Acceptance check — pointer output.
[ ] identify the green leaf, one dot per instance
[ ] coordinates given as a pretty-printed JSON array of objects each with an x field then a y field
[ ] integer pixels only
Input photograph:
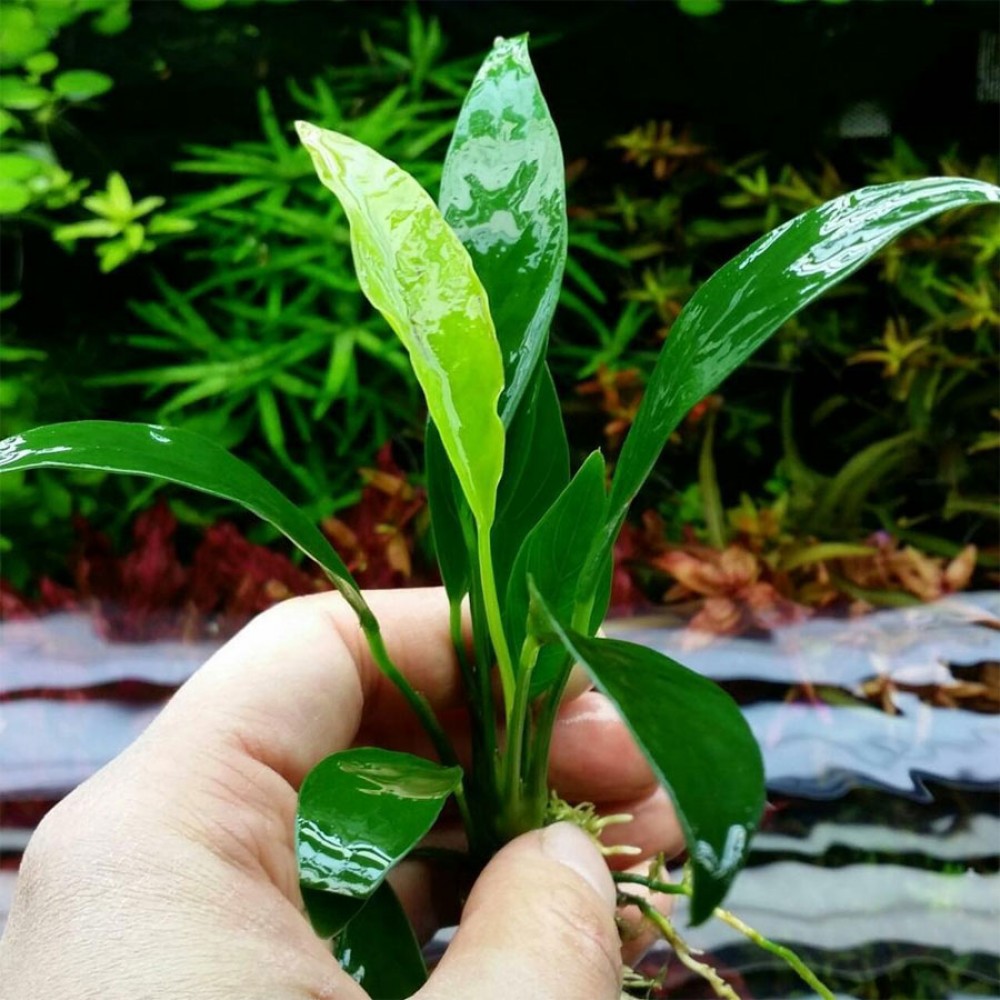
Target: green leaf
[
  {"x": 119, "y": 198},
  {"x": 81, "y": 84},
  {"x": 19, "y": 95},
  {"x": 146, "y": 205},
  {"x": 363, "y": 810},
  {"x": 19, "y": 167},
  {"x": 414, "y": 270},
  {"x": 446, "y": 502},
  {"x": 14, "y": 196},
  {"x": 698, "y": 743},
  {"x": 535, "y": 473},
  {"x": 379, "y": 950},
  {"x": 180, "y": 457},
  {"x": 503, "y": 191},
  {"x": 746, "y": 300},
  {"x": 112, "y": 18},
  {"x": 93, "y": 229},
  {"x": 41, "y": 63},
  {"x": 114, "y": 254},
  {"x": 553, "y": 556},
  {"x": 20, "y": 36},
  {"x": 844, "y": 494},
  {"x": 164, "y": 225},
  {"x": 700, "y": 8}
]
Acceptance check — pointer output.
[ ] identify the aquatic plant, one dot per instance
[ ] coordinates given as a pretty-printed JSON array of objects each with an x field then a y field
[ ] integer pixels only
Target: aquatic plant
[{"x": 469, "y": 286}]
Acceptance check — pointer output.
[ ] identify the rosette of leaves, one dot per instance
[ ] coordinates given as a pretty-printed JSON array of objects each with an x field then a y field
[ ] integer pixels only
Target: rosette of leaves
[
  {"x": 123, "y": 228},
  {"x": 469, "y": 287}
]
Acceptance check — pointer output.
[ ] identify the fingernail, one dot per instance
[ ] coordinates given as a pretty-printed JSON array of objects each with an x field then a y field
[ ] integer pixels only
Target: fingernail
[{"x": 571, "y": 847}]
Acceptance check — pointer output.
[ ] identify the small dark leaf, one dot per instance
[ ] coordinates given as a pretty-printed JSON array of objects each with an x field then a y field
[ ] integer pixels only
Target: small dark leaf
[
  {"x": 446, "y": 501},
  {"x": 379, "y": 950},
  {"x": 536, "y": 471},
  {"x": 361, "y": 811},
  {"x": 553, "y": 555},
  {"x": 696, "y": 740}
]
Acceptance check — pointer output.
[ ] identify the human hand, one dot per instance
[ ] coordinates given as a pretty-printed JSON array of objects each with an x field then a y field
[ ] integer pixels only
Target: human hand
[{"x": 172, "y": 872}]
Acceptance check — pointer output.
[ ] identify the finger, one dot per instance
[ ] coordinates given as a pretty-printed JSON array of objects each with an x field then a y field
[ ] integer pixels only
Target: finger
[
  {"x": 539, "y": 925},
  {"x": 654, "y": 828},
  {"x": 593, "y": 756},
  {"x": 296, "y": 683},
  {"x": 431, "y": 888}
]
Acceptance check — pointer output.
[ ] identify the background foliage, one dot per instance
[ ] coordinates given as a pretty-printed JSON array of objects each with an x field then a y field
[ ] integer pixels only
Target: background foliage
[{"x": 167, "y": 255}]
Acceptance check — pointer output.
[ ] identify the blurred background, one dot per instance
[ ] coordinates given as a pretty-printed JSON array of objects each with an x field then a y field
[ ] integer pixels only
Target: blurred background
[{"x": 166, "y": 254}]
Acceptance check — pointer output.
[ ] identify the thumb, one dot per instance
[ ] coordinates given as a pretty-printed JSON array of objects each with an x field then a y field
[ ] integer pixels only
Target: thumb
[{"x": 539, "y": 925}]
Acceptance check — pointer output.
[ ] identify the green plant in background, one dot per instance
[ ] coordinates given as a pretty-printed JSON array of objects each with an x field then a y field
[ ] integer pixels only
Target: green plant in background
[
  {"x": 897, "y": 375},
  {"x": 34, "y": 96},
  {"x": 121, "y": 225},
  {"x": 527, "y": 544},
  {"x": 276, "y": 343}
]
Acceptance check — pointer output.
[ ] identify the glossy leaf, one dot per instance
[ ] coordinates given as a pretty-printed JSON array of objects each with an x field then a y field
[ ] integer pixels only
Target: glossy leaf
[
  {"x": 503, "y": 190},
  {"x": 535, "y": 473},
  {"x": 82, "y": 84},
  {"x": 180, "y": 457},
  {"x": 745, "y": 301},
  {"x": 379, "y": 950},
  {"x": 415, "y": 271},
  {"x": 696, "y": 740},
  {"x": 553, "y": 556},
  {"x": 362, "y": 811},
  {"x": 445, "y": 500}
]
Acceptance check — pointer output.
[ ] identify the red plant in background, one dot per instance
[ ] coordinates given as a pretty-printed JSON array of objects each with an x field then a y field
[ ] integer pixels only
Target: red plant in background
[
  {"x": 759, "y": 581},
  {"x": 233, "y": 579},
  {"x": 375, "y": 538},
  {"x": 737, "y": 596},
  {"x": 132, "y": 597},
  {"x": 151, "y": 593},
  {"x": 620, "y": 394},
  {"x": 635, "y": 548}
]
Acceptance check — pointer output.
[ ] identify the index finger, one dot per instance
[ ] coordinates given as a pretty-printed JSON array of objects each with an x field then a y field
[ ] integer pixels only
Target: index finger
[{"x": 296, "y": 683}]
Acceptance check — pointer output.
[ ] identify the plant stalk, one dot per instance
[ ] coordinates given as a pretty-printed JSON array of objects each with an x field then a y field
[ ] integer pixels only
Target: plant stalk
[
  {"x": 514, "y": 752},
  {"x": 494, "y": 621},
  {"x": 416, "y": 701}
]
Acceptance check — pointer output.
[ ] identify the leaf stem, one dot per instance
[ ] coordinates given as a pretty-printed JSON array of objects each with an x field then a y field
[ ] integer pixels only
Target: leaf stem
[
  {"x": 416, "y": 701},
  {"x": 420, "y": 706},
  {"x": 494, "y": 621},
  {"x": 514, "y": 751},
  {"x": 544, "y": 725}
]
